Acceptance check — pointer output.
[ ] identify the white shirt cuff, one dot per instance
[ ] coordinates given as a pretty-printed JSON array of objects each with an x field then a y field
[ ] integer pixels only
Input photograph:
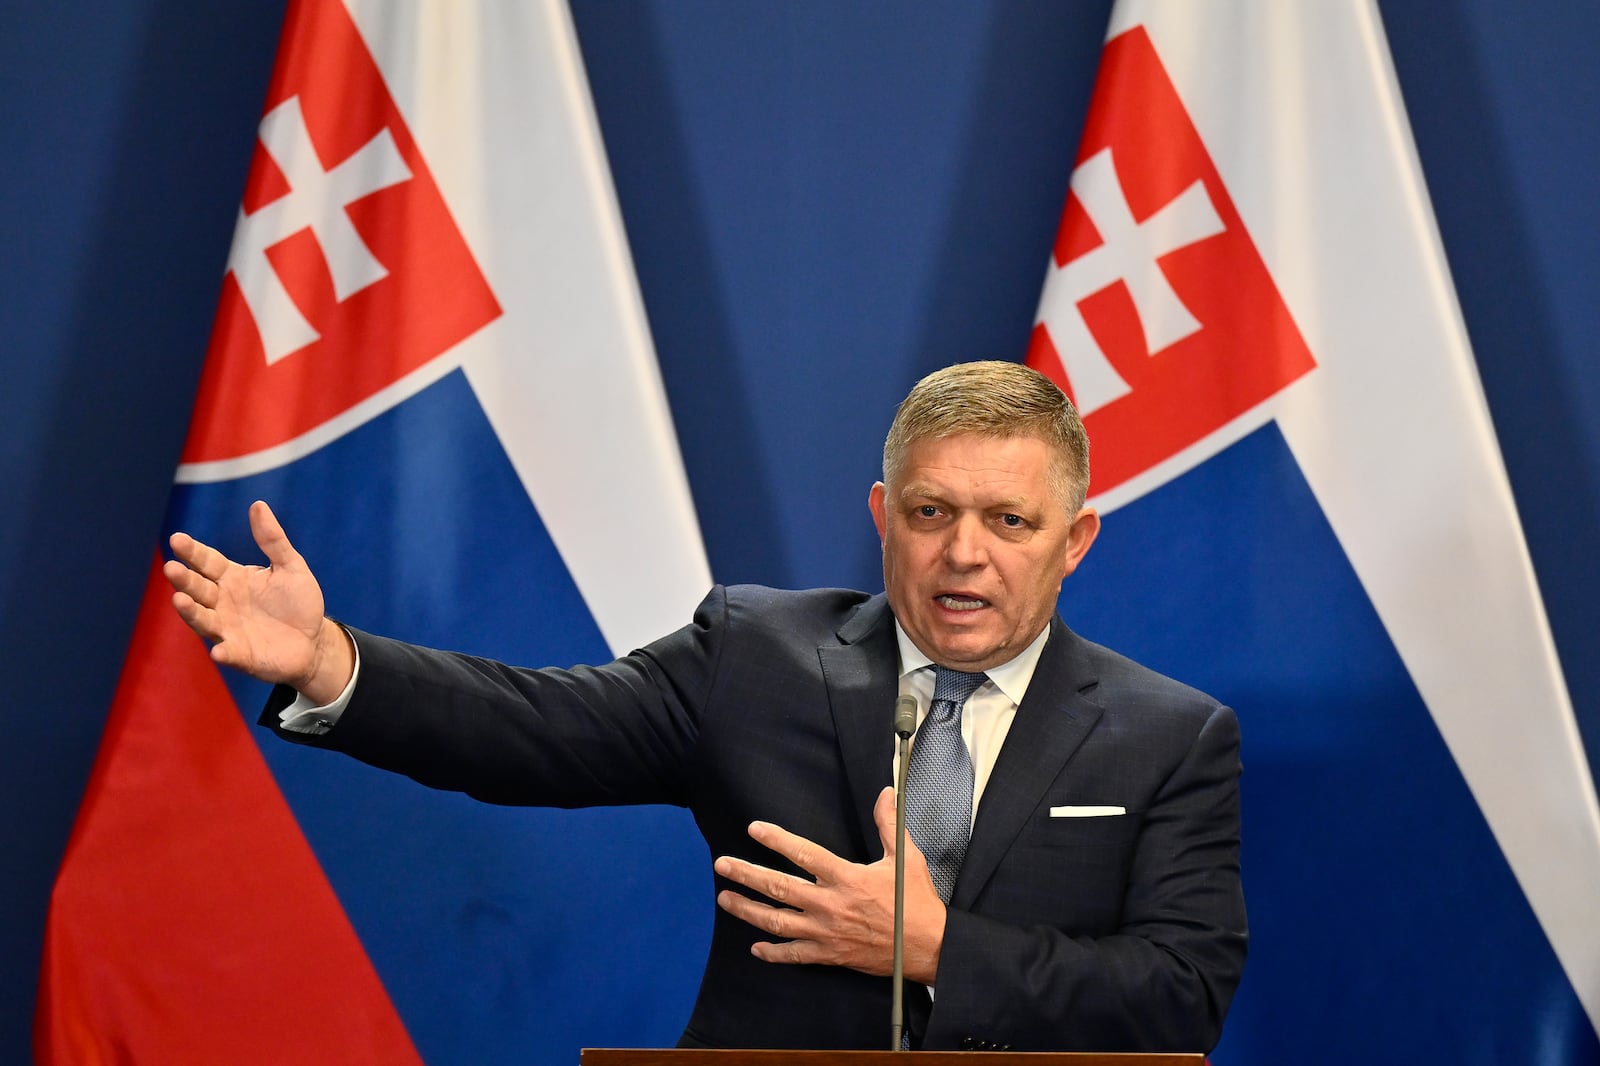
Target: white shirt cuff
[{"x": 302, "y": 716}]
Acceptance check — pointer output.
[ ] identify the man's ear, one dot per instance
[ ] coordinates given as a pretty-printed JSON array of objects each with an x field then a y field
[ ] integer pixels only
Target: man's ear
[
  {"x": 875, "y": 504},
  {"x": 1085, "y": 528}
]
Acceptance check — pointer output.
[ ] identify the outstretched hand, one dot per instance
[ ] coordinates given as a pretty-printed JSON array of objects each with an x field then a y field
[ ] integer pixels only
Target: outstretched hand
[
  {"x": 264, "y": 620},
  {"x": 845, "y": 916}
]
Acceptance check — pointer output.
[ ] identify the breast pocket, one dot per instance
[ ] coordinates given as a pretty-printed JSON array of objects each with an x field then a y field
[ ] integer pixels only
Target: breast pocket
[
  {"x": 1082, "y": 827},
  {"x": 1069, "y": 872}
]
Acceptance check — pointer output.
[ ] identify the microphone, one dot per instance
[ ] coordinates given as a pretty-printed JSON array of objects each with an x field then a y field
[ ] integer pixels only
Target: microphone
[
  {"x": 905, "y": 716},
  {"x": 905, "y": 723}
]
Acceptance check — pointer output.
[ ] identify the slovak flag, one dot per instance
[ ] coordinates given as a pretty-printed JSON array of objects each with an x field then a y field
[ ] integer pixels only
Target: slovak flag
[
  {"x": 1308, "y": 516},
  {"x": 431, "y": 356}
]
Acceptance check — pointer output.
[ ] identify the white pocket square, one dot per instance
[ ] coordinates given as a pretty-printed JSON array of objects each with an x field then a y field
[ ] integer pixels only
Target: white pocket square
[{"x": 1087, "y": 812}]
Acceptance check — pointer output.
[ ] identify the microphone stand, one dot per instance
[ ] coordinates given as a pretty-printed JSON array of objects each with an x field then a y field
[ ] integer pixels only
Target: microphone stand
[{"x": 905, "y": 723}]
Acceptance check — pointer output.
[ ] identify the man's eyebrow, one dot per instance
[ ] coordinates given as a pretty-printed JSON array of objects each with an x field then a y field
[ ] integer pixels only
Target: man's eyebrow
[{"x": 914, "y": 489}]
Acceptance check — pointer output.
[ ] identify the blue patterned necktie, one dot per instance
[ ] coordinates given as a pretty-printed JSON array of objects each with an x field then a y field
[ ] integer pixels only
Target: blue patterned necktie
[{"x": 939, "y": 781}]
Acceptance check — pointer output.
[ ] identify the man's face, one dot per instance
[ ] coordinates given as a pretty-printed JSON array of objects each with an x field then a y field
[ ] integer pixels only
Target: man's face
[{"x": 975, "y": 546}]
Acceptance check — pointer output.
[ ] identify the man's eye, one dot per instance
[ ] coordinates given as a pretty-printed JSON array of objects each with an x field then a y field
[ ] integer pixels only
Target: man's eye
[
  {"x": 928, "y": 510},
  {"x": 1014, "y": 521}
]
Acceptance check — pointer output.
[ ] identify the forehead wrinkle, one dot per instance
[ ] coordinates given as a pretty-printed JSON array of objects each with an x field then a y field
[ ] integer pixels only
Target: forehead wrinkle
[{"x": 1012, "y": 501}]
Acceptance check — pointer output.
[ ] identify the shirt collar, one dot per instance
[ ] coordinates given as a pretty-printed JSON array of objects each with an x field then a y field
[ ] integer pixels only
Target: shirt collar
[{"x": 1011, "y": 678}]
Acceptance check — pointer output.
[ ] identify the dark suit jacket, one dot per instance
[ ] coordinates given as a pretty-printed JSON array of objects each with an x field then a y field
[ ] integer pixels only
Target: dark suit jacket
[{"x": 1103, "y": 933}]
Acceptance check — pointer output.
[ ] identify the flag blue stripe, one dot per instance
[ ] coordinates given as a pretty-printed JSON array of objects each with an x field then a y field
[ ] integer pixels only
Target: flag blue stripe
[{"x": 501, "y": 934}]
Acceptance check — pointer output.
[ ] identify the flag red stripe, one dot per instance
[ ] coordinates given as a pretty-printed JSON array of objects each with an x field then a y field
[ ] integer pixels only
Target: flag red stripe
[{"x": 191, "y": 921}]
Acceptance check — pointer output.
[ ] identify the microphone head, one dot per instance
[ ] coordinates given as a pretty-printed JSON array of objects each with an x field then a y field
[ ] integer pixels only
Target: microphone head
[{"x": 905, "y": 716}]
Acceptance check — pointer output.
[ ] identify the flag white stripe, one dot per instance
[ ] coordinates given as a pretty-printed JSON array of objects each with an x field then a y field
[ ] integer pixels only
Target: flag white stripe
[
  {"x": 598, "y": 455},
  {"x": 352, "y": 418}
]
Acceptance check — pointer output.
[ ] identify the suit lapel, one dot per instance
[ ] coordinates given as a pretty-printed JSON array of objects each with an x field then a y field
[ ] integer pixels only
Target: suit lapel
[
  {"x": 1051, "y": 723},
  {"x": 861, "y": 675}
]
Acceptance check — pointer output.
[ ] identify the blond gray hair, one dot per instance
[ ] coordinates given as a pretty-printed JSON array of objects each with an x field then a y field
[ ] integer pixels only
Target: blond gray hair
[{"x": 994, "y": 399}]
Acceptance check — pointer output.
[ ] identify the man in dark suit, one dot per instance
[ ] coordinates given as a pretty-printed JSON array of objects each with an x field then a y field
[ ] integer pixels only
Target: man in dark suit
[{"x": 1079, "y": 812}]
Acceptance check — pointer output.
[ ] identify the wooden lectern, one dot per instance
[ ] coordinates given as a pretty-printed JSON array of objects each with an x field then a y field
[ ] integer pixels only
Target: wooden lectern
[{"x": 688, "y": 1057}]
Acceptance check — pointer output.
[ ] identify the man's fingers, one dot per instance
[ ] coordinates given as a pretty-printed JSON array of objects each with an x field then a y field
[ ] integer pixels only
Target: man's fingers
[
  {"x": 200, "y": 590},
  {"x": 840, "y": 919},
  {"x": 885, "y": 817},
  {"x": 782, "y": 887},
  {"x": 883, "y": 813},
  {"x": 792, "y": 952},
  {"x": 181, "y": 578},
  {"x": 195, "y": 616},
  {"x": 814, "y": 859},
  {"x": 790, "y": 926},
  {"x": 225, "y": 653},
  {"x": 201, "y": 558},
  {"x": 270, "y": 537},
  {"x": 769, "y": 919}
]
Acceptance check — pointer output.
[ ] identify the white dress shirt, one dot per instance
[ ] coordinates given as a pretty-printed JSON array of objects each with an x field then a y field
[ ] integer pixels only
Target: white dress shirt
[{"x": 989, "y": 711}]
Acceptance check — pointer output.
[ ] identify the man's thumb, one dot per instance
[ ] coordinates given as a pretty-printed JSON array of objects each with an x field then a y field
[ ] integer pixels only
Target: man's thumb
[{"x": 883, "y": 815}]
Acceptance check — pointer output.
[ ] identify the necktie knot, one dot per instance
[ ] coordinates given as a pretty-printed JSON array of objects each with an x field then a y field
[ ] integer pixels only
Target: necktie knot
[{"x": 955, "y": 685}]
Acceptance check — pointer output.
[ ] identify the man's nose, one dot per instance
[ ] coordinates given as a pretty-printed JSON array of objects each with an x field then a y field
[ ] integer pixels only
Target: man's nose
[{"x": 967, "y": 545}]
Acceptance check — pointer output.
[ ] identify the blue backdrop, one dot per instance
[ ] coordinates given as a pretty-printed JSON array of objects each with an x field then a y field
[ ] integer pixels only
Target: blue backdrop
[{"x": 823, "y": 202}]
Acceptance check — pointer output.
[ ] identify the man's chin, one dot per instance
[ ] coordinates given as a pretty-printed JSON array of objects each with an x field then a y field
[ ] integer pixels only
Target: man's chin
[{"x": 971, "y": 655}]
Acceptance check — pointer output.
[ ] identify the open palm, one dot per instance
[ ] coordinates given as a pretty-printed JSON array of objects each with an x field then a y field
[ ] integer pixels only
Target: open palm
[{"x": 264, "y": 620}]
